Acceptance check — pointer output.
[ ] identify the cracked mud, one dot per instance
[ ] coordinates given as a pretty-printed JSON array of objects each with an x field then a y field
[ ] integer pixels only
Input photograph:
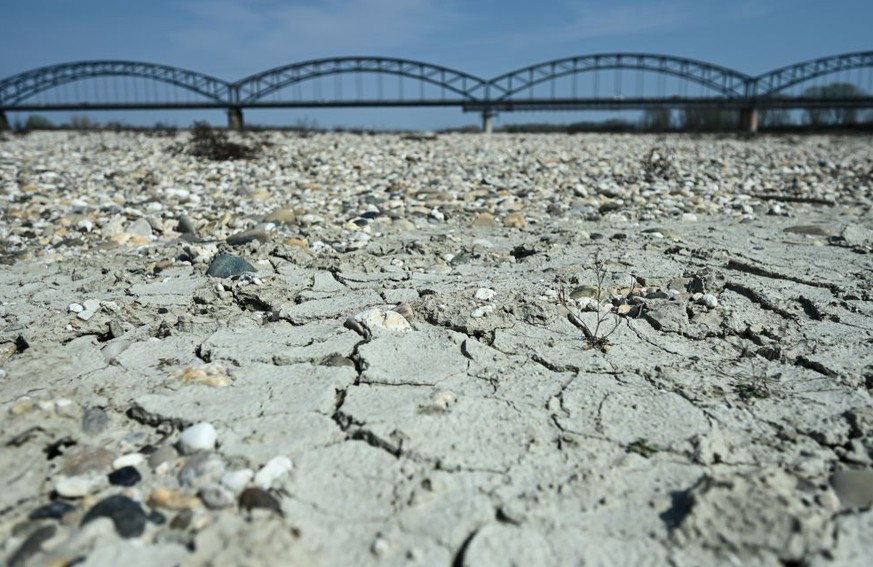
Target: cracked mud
[{"x": 451, "y": 426}]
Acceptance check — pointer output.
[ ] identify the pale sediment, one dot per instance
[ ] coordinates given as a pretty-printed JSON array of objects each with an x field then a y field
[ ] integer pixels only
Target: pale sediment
[{"x": 464, "y": 350}]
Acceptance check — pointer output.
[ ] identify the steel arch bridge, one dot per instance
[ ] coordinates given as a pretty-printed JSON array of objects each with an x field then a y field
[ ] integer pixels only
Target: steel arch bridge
[
  {"x": 256, "y": 87},
  {"x": 728, "y": 88},
  {"x": 727, "y": 82},
  {"x": 778, "y": 80},
  {"x": 19, "y": 87}
]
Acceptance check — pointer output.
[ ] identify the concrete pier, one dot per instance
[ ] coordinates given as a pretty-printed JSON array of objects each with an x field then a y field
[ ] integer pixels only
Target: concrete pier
[
  {"x": 487, "y": 115},
  {"x": 235, "y": 118},
  {"x": 4, "y": 123},
  {"x": 749, "y": 120}
]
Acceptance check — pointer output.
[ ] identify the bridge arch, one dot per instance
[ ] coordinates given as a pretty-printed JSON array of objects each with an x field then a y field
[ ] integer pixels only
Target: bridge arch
[
  {"x": 779, "y": 80},
  {"x": 255, "y": 87},
  {"x": 727, "y": 82},
  {"x": 19, "y": 87}
]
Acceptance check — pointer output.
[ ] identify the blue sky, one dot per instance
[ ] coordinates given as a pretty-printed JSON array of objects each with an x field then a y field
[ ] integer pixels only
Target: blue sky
[{"x": 235, "y": 38}]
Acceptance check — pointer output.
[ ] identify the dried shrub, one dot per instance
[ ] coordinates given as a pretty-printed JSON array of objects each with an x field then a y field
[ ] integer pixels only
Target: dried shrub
[
  {"x": 207, "y": 142},
  {"x": 596, "y": 336}
]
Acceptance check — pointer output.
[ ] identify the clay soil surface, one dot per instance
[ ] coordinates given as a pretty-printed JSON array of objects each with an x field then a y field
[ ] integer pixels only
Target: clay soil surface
[{"x": 591, "y": 350}]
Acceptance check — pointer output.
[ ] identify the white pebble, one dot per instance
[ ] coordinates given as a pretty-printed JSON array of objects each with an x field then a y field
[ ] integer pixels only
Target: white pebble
[
  {"x": 673, "y": 293},
  {"x": 442, "y": 399},
  {"x": 236, "y": 481},
  {"x": 484, "y": 294},
  {"x": 380, "y": 547},
  {"x": 199, "y": 437},
  {"x": 80, "y": 485},
  {"x": 276, "y": 468},
  {"x": 709, "y": 300},
  {"x": 129, "y": 460},
  {"x": 76, "y": 308}
]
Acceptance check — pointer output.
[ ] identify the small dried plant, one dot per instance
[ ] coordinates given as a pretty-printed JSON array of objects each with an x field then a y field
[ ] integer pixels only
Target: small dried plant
[{"x": 606, "y": 323}]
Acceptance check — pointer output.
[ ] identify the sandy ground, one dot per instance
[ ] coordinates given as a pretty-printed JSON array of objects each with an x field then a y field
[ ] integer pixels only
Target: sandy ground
[{"x": 450, "y": 417}]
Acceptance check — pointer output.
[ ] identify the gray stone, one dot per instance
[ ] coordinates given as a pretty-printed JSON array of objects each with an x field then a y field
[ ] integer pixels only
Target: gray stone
[
  {"x": 854, "y": 487},
  {"x": 94, "y": 421},
  {"x": 216, "y": 496},
  {"x": 202, "y": 469},
  {"x": 245, "y": 237},
  {"x": 857, "y": 235},
  {"x": 228, "y": 266}
]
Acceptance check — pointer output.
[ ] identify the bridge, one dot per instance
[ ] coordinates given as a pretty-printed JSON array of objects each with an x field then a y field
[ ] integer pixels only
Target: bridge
[{"x": 614, "y": 81}]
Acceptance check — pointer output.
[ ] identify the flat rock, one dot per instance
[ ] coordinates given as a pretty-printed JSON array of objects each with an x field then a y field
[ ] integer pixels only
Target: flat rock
[
  {"x": 854, "y": 487},
  {"x": 127, "y": 516},
  {"x": 228, "y": 266}
]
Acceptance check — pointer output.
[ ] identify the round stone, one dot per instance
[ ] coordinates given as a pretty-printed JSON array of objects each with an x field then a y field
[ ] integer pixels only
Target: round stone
[
  {"x": 128, "y": 460},
  {"x": 125, "y": 476},
  {"x": 215, "y": 496},
  {"x": 252, "y": 498},
  {"x": 199, "y": 437},
  {"x": 236, "y": 481}
]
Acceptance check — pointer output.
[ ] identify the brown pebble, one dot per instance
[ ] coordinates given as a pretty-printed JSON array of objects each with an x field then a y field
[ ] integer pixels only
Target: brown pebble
[
  {"x": 21, "y": 407},
  {"x": 251, "y": 498},
  {"x": 484, "y": 220},
  {"x": 285, "y": 216},
  {"x": 514, "y": 220},
  {"x": 172, "y": 499}
]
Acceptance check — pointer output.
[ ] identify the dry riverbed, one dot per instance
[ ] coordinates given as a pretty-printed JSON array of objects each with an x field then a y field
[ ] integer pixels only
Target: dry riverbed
[{"x": 436, "y": 350}]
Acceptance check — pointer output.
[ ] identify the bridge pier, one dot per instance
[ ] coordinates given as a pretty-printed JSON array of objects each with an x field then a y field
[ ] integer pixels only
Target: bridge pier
[
  {"x": 749, "y": 120},
  {"x": 4, "y": 123},
  {"x": 487, "y": 115},
  {"x": 234, "y": 118}
]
